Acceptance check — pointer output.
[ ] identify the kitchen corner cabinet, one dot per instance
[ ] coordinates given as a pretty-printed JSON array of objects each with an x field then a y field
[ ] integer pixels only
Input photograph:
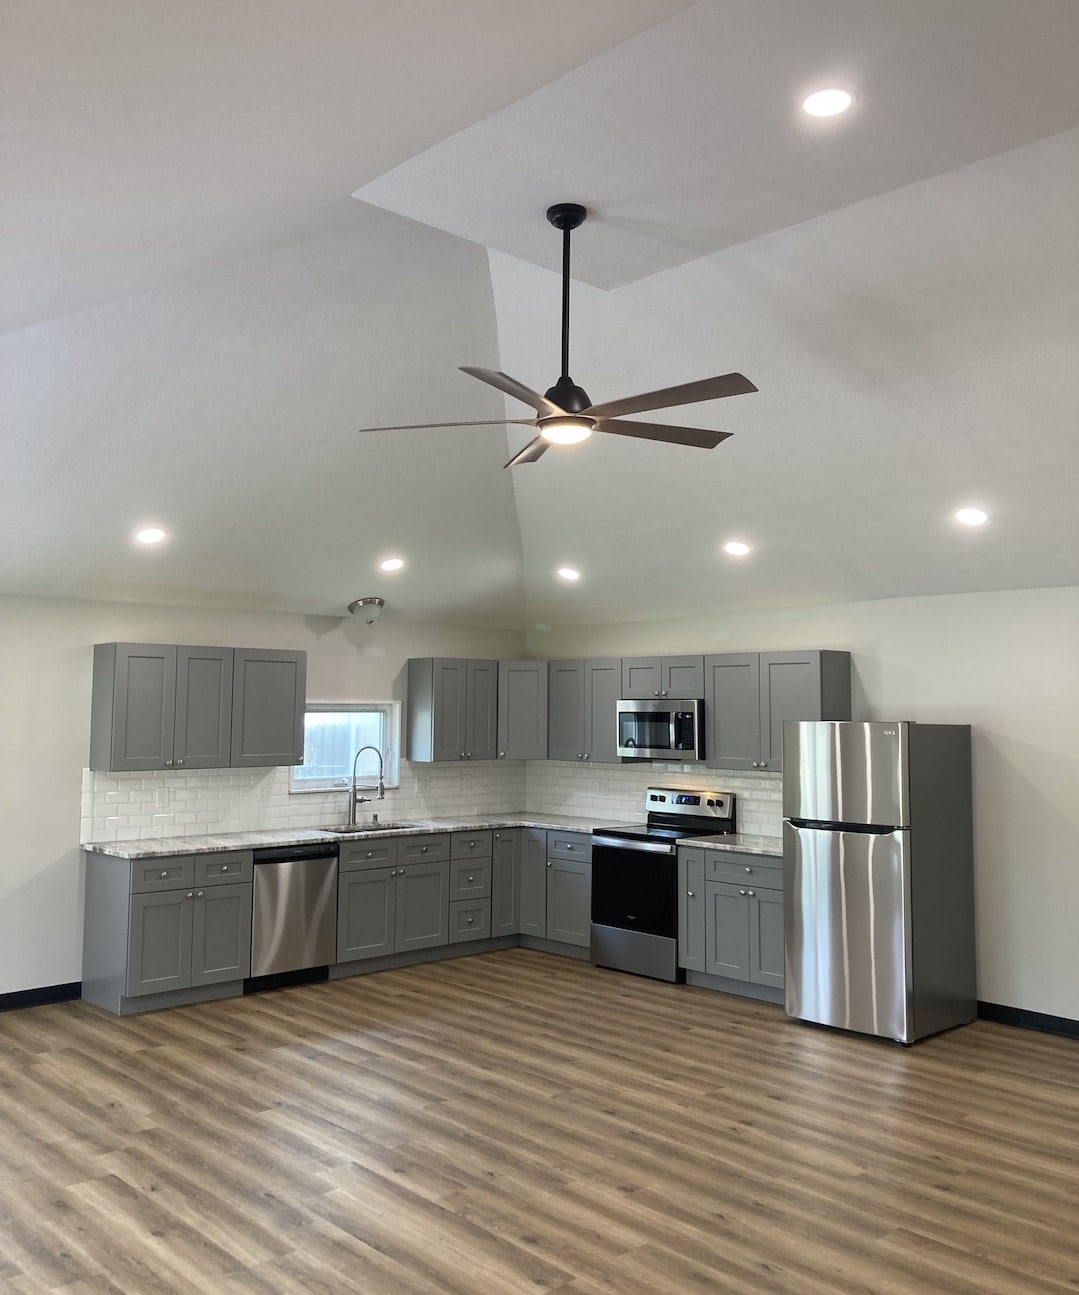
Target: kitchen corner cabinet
[
  {"x": 522, "y": 710},
  {"x": 164, "y": 926},
  {"x": 581, "y": 709},
  {"x": 750, "y": 695},
  {"x": 556, "y": 887},
  {"x": 667, "y": 676},
  {"x": 160, "y": 706},
  {"x": 451, "y": 709},
  {"x": 506, "y": 847}
]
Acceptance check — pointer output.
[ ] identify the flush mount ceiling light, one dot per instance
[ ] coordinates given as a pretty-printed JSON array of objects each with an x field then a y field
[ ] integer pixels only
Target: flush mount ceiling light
[
  {"x": 569, "y": 574},
  {"x": 367, "y": 609},
  {"x": 565, "y": 413},
  {"x": 391, "y": 564},
  {"x": 971, "y": 517},
  {"x": 827, "y": 103},
  {"x": 736, "y": 548},
  {"x": 150, "y": 535}
]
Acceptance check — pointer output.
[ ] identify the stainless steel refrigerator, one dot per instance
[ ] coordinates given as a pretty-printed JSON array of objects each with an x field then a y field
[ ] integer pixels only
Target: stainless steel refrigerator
[{"x": 878, "y": 877}]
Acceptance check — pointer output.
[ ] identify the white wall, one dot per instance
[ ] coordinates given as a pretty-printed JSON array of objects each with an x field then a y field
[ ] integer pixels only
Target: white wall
[
  {"x": 45, "y": 674},
  {"x": 1005, "y": 663}
]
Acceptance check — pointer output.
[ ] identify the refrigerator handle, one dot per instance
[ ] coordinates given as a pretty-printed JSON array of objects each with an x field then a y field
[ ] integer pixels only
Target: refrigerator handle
[{"x": 825, "y": 825}]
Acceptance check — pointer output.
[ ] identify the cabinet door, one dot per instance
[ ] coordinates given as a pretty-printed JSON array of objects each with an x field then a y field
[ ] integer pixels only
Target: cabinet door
[
  {"x": 143, "y": 706},
  {"x": 641, "y": 677},
  {"x": 726, "y": 932},
  {"x": 691, "y": 910},
  {"x": 799, "y": 686},
  {"x": 159, "y": 942},
  {"x": 766, "y": 938},
  {"x": 732, "y": 699},
  {"x": 366, "y": 911},
  {"x": 569, "y": 902},
  {"x": 565, "y": 710},
  {"x": 506, "y": 882},
  {"x": 481, "y": 715},
  {"x": 269, "y": 692},
  {"x": 448, "y": 692},
  {"x": 203, "y": 707},
  {"x": 221, "y": 934},
  {"x": 682, "y": 676},
  {"x": 534, "y": 882},
  {"x": 522, "y": 710},
  {"x": 602, "y": 686},
  {"x": 423, "y": 912}
]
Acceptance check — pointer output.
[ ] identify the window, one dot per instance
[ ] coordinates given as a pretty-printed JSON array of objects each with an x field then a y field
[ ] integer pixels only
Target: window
[{"x": 334, "y": 732}]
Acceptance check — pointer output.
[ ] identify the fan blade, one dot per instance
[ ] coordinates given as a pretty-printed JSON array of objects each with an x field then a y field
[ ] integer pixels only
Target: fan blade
[
  {"x": 729, "y": 384},
  {"x": 697, "y": 436},
  {"x": 419, "y": 427},
  {"x": 516, "y": 389},
  {"x": 530, "y": 453}
]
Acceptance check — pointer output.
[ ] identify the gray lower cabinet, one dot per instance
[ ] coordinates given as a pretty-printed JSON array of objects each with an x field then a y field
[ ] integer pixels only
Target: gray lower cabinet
[
  {"x": 730, "y": 916},
  {"x": 164, "y": 926},
  {"x": 750, "y": 695},
  {"x": 506, "y": 850},
  {"x": 534, "y": 883},
  {"x": 393, "y": 896},
  {"x": 161, "y": 706},
  {"x": 556, "y": 887},
  {"x": 581, "y": 700}
]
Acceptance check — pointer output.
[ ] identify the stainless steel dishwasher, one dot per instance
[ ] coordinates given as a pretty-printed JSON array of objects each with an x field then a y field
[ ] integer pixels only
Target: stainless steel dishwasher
[{"x": 294, "y": 919}]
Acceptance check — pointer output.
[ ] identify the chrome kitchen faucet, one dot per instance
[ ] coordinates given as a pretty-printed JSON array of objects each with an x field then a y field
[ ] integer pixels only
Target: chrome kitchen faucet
[{"x": 353, "y": 798}]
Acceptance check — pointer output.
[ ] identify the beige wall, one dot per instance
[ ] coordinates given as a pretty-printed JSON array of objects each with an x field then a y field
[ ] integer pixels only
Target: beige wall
[
  {"x": 45, "y": 664},
  {"x": 1008, "y": 664}
]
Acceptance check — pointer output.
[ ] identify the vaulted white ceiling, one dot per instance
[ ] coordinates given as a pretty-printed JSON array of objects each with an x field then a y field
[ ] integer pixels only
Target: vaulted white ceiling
[{"x": 198, "y": 315}]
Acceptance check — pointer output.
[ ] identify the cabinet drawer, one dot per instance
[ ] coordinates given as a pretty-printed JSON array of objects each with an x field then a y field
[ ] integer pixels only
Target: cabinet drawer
[
  {"x": 745, "y": 869},
  {"x": 470, "y": 845},
  {"x": 423, "y": 849},
  {"x": 381, "y": 853},
  {"x": 470, "y": 879},
  {"x": 569, "y": 845},
  {"x": 162, "y": 874},
  {"x": 470, "y": 920},
  {"x": 220, "y": 869}
]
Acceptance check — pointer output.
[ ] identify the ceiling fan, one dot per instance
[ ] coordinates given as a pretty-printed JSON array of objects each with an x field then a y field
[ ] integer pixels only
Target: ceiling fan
[{"x": 565, "y": 413}]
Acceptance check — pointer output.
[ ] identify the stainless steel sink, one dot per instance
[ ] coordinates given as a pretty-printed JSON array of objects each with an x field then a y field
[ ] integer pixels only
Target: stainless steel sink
[{"x": 358, "y": 829}]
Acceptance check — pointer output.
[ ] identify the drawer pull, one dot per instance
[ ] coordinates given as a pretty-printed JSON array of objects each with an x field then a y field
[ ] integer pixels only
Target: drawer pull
[
  {"x": 471, "y": 920},
  {"x": 748, "y": 868},
  {"x": 471, "y": 878},
  {"x": 423, "y": 849},
  {"x": 164, "y": 874}
]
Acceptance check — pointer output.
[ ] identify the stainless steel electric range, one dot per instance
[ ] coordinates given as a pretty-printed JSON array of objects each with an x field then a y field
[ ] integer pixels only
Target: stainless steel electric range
[{"x": 635, "y": 879}]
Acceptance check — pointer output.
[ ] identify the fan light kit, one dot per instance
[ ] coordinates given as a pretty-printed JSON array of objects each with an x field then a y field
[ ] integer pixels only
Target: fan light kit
[{"x": 565, "y": 413}]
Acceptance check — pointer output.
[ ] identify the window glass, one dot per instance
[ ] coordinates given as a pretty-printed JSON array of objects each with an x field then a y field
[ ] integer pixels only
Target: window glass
[{"x": 334, "y": 732}]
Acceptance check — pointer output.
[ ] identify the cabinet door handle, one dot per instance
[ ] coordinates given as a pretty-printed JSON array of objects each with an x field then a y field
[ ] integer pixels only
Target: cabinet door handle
[
  {"x": 199, "y": 894},
  {"x": 179, "y": 762},
  {"x": 393, "y": 872},
  {"x": 751, "y": 892},
  {"x": 168, "y": 764},
  {"x": 462, "y": 755},
  {"x": 190, "y": 895},
  {"x": 587, "y": 756},
  {"x": 498, "y": 836},
  {"x": 469, "y": 756},
  {"x": 580, "y": 755},
  {"x": 501, "y": 755},
  {"x": 691, "y": 894},
  {"x": 548, "y": 863},
  {"x": 743, "y": 891}
]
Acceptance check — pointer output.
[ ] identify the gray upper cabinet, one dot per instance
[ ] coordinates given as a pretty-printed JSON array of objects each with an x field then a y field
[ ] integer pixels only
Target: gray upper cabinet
[
  {"x": 159, "y": 706},
  {"x": 581, "y": 709},
  {"x": 750, "y": 695},
  {"x": 269, "y": 694},
  {"x": 522, "y": 710},
  {"x": 156, "y": 706},
  {"x": 668, "y": 676},
  {"x": 451, "y": 710}
]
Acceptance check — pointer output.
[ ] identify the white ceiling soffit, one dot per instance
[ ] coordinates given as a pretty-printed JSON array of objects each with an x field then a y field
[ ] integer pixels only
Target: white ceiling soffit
[{"x": 689, "y": 137}]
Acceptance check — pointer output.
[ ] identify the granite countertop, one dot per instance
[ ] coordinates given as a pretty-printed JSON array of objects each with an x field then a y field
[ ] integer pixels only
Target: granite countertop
[
  {"x": 154, "y": 847},
  {"x": 743, "y": 842}
]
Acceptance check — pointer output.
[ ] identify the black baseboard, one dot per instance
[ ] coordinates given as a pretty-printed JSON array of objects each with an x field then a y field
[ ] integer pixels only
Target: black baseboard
[
  {"x": 37, "y": 997},
  {"x": 1025, "y": 1020}
]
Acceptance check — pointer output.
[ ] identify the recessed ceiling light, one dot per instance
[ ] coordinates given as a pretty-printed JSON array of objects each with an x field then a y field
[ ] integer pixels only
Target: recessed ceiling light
[
  {"x": 391, "y": 564},
  {"x": 971, "y": 517},
  {"x": 827, "y": 103},
  {"x": 150, "y": 535},
  {"x": 568, "y": 573},
  {"x": 736, "y": 548}
]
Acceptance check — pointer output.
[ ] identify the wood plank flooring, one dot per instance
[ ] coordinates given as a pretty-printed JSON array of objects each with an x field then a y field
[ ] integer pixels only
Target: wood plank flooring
[{"x": 521, "y": 1122}]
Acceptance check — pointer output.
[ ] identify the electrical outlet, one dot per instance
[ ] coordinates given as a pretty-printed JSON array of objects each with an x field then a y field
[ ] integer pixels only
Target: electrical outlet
[{"x": 161, "y": 797}]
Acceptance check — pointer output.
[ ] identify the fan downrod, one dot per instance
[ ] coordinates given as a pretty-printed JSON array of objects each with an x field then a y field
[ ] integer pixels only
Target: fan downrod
[{"x": 566, "y": 215}]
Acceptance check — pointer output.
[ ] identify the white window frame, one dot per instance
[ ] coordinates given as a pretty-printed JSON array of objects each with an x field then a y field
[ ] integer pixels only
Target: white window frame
[{"x": 391, "y": 712}]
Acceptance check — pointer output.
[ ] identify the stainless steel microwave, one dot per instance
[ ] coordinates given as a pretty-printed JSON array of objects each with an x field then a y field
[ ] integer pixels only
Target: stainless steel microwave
[{"x": 661, "y": 729}]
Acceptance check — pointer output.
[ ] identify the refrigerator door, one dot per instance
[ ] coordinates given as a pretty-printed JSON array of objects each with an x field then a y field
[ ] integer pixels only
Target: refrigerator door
[
  {"x": 845, "y": 772},
  {"x": 847, "y": 930}
]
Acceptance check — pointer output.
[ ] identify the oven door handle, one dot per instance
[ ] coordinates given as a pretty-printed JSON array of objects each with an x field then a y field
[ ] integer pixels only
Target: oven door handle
[{"x": 619, "y": 843}]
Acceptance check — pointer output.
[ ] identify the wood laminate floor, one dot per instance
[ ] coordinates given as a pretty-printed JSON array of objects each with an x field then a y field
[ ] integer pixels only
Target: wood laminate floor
[{"x": 520, "y": 1122}]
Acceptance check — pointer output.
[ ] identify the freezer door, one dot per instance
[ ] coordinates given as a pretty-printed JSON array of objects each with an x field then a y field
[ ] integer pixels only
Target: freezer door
[
  {"x": 845, "y": 772},
  {"x": 847, "y": 930}
]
